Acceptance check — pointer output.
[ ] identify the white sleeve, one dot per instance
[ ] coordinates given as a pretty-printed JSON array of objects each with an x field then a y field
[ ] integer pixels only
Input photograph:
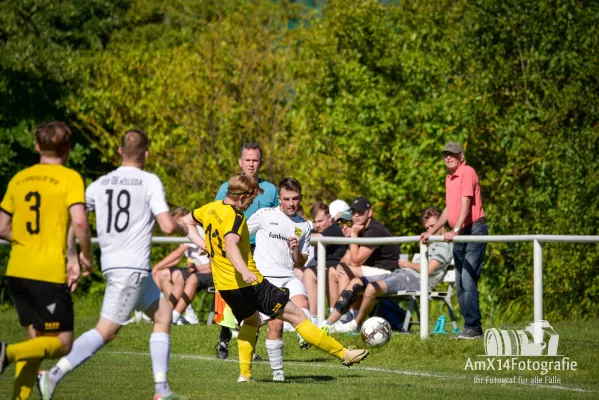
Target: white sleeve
[
  {"x": 156, "y": 196},
  {"x": 254, "y": 222},
  {"x": 306, "y": 244},
  {"x": 90, "y": 202}
]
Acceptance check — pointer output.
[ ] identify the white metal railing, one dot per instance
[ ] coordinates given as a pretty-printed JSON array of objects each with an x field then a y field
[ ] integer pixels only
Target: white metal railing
[
  {"x": 322, "y": 241},
  {"x": 537, "y": 241}
]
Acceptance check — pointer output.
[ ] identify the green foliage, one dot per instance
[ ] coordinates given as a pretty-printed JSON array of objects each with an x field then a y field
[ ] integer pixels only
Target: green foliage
[{"x": 352, "y": 98}]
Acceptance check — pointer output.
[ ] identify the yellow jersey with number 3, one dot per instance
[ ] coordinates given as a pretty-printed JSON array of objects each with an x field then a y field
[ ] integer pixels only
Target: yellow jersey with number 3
[
  {"x": 38, "y": 198},
  {"x": 219, "y": 220}
]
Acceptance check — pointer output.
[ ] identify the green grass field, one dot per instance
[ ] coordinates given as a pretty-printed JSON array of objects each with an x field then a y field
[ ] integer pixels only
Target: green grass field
[{"x": 406, "y": 368}]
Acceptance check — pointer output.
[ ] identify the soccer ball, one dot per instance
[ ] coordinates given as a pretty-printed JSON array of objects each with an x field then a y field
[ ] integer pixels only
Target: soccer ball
[{"x": 376, "y": 331}]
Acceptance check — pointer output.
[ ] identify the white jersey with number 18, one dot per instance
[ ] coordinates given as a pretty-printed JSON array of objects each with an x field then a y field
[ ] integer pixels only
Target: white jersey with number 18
[
  {"x": 273, "y": 228},
  {"x": 125, "y": 202}
]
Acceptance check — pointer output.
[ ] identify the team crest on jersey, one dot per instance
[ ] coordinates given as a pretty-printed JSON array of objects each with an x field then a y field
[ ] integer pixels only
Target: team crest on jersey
[{"x": 298, "y": 232}]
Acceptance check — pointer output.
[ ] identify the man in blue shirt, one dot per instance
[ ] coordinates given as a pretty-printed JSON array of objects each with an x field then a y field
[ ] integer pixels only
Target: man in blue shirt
[{"x": 250, "y": 161}]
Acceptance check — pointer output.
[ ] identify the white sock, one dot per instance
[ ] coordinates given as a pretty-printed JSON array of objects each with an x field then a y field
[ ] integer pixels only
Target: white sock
[
  {"x": 189, "y": 310},
  {"x": 354, "y": 313},
  {"x": 160, "y": 348},
  {"x": 314, "y": 319},
  {"x": 176, "y": 315},
  {"x": 307, "y": 312},
  {"x": 275, "y": 353},
  {"x": 83, "y": 348}
]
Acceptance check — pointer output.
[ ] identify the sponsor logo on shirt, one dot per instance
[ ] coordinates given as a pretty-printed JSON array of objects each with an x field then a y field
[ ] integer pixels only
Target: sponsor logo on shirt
[{"x": 276, "y": 236}]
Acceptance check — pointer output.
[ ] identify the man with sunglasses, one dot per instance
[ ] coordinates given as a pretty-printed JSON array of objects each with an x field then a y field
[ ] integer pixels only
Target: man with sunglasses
[
  {"x": 407, "y": 277},
  {"x": 366, "y": 263}
]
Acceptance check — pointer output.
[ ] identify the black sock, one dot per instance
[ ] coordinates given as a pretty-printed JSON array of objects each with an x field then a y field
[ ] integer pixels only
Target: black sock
[{"x": 225, "y": 334}]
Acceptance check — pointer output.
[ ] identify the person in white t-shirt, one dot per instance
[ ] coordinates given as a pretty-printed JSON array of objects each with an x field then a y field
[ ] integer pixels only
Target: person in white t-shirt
[
  {"x": 127, "y": 202},
  {"x": 180, "y": 284},
  {"x": 282, "y": 242}
]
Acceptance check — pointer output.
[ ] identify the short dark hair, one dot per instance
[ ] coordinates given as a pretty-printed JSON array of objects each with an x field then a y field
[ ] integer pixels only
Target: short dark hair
[
  {"x": 290, "y": 184},
  {"x": 53, "y": 138},
  {"x": 318, "y": 206},
  {"x": 250, "y": 146},
  {"x": 134, "y": 144},
  {"x": 430, "y": 212}
]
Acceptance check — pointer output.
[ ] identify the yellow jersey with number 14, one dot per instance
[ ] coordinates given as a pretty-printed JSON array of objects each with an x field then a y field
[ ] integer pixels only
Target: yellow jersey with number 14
[
  {"x": 38, "y": 198},
  {"x": 219, "y": 220}
]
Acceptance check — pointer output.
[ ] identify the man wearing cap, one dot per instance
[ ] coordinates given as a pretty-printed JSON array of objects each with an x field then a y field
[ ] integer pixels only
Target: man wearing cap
[
  {"x": 366, "y": 263},
  {"x": 465, "y": 214}
]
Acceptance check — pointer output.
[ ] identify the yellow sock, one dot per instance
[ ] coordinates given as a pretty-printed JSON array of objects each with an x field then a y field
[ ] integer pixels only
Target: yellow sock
[
  {"x": 246, "y": 340},
  {"x": 35, "y": 349},
  {"x": 25, "y": 379},
  {"x": 319, "y": 339}
]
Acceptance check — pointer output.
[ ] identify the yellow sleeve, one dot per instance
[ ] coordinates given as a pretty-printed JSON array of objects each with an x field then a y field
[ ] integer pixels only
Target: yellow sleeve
[
  {"x": 7, "y": 204},
  {"x": 76, "y": 190},
  {"x": 199, "y": 213},
  {"x": 235, "y": 224}
]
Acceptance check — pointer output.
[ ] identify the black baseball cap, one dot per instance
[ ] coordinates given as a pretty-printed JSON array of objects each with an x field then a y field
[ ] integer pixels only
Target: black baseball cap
[{"x": 360, "y": 204}]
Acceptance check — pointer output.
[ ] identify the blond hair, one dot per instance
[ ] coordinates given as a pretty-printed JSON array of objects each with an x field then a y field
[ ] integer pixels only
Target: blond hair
[
  {"x": 53, "y": 138},
  {"x": 242, "y": 184}
]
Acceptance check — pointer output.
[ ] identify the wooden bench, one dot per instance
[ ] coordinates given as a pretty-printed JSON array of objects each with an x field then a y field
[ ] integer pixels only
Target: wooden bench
[{"x": 414, "y": 295}]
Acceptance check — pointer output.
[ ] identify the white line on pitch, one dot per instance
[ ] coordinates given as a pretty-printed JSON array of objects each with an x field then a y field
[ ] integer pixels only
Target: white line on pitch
[{"x": 375, "y": 369}]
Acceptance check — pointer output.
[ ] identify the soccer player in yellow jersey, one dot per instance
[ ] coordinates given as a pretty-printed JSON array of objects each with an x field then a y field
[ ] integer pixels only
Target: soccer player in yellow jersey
[
  {"x": 39, "y": 204},
  {"x": 239, "y": 282}
]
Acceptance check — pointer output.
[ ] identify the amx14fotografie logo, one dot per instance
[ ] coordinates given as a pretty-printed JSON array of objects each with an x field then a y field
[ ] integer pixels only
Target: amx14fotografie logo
[{"x": 517, "y": 350}]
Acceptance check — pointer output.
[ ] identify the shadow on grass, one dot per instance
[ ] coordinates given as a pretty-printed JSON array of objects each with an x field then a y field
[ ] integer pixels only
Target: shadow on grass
[
  {"x": 311, "y": 379},
  {"x": 305, "y": 379}
]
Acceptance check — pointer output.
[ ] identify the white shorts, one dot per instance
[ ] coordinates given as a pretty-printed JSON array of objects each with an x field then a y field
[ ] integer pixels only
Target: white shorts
[
  {"x": 292, "y": 283},
  {"x": 127, "y": 290},
  {"x": 370, "y": 272}
]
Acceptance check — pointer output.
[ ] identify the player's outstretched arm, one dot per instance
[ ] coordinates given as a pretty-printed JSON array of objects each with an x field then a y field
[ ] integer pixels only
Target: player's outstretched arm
[
  {"x": 168, "y": 224},
  {"x": 192, "y": 231},
  {"x": 5, "y": 226},
  {"x": 82, "y": 232},
  {"x": 234, "y": 255}
]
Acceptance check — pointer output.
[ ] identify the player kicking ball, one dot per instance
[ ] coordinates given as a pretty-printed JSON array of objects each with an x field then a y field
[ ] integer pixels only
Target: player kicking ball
[
  {"x": 282, "y": 243},
  {"x": 127, "y": 201},
  {"x": 239, "y": 282}
]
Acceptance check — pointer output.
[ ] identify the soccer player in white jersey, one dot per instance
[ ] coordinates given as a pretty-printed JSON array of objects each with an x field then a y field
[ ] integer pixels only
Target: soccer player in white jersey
[
  {"x": 282, "y": 243},
  {"x": 127, "y": 201}
]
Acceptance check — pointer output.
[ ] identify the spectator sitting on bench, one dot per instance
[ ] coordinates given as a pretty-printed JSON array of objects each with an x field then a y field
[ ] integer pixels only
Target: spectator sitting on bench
[
  {"x": 180, "y": 284},
  {"x": 371, "y": 262},
  {"x": 365, "y": 263},
  {"x": 407, "y": 277}
]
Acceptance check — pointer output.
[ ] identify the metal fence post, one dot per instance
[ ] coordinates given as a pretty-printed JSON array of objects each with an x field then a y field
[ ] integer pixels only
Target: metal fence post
[
  {"x": 321, "y": 277},
  {"x": 538, "y": 290},
  {"x": 423, "y": 291}
]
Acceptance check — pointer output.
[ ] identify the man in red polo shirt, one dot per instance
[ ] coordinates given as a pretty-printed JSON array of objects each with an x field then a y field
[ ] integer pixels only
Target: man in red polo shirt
[{"x": 465, "y": 214}]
